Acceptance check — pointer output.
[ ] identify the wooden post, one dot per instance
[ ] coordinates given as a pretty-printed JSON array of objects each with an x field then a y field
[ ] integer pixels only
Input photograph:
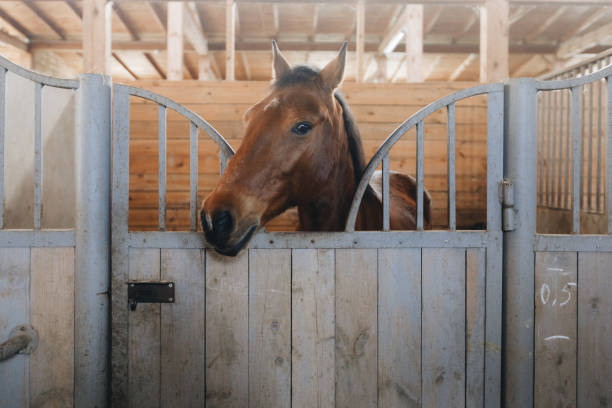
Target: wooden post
[
  {"x": 381, "y": 68},
  {"x": 360, "y": 39},
  {"x": 414, "y": 43},
  {"x": 96, "y": 36},
  {"x": 494, "y": 43},
  {"x": 175, "y": 41},
  {"x": 230, "y": 40}
]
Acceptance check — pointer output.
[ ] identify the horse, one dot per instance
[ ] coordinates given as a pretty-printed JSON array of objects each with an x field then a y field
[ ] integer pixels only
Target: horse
[{"x": 301, "y": 147}]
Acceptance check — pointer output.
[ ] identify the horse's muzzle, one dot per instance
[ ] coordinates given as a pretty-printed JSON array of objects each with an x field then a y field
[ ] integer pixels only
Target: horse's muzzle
[{"x": 218, "y": 232}]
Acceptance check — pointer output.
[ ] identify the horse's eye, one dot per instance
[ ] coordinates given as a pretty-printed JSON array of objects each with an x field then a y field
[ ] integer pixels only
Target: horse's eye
[{"x": 301, "y": 128}]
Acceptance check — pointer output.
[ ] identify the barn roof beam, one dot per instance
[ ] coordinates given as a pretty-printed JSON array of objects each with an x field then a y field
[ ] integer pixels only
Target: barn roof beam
[
  {"x": 576, "y": 45},
  {"x": 431, "y": 22},
  {"x": 462, "y": 67},
  {"x": 96, "y": 43},
  {"x": 519, "y": 13},
  {"x": 230, "y": 39},
  {"x": 432, "y": 66},
  {"x": 159, "y": 14},
  {"x": 494, "y": 41},
  {"x": 124, "y": 65},
  {"x": 360, "y": 41},
  {"x": 175, "y": 45},
  {"x": 15, "y": 24},
  {"x": 155, "y": 65},
  {"x": 45, "y": 18},
  {"x": 394, "y": 34},
  {"x": 13, "y": 41},
  {"x": 587, "y": 22},
  {"x": 546, "y": 23},
  {"x": 75, "y": 8},
  {"x": 414, "y": 43}
]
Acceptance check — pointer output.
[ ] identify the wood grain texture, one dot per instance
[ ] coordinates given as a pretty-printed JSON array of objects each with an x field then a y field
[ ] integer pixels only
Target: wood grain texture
[
  {"x": 443, "y": 277},
  {"x": 227, "y": 330},
  {"x": 594, "y": 329},
  {"x": 313, "y": 328},
  {"x": 52, "y": 315},
  {"x": 183, "y": 329},
  {"x": 475, "y": 326},
  {"x": 14, "y": 310},
  {"x": 144, "y": 335},
  {"x": 269, "y": 328},
  {"x": 356, "y": 327},
  {"x": 556, "y": 313},
  {"x": 399, "y": 327}
]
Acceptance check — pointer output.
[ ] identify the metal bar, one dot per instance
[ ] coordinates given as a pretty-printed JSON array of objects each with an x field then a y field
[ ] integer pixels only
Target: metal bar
[
  {"x": 576, "y": 161},
  {"x": 566, "y": 242},
  {"x": 541, "y": 151},
  {"x": 590, "y": 153},
  {"x": 420, "y": 175},
  {"x": 38, "y": 155},
  {"x": 40, "y": 238},
  {"x": 609, "y": 157},
  {"x": 599, "y": 142},
  {"x": 92, "y": 266},
  {"x": 36, "y": 77},
  {"x": 495, "y": 157},
  {"x": 559, "y": 187},
  {"x": 582, "y": 103},
  {"x": 385, "y": 192},
  {"x": 2, "y": 137},
  {"x": 161, "y": 163},
  {"x": 548, "y": 148},
  {"x": 566, "y": 195},
  {"x": 193, "y": 175},
  {"x": 452, "y": 202},
  {"x": 553, "y": 162}
]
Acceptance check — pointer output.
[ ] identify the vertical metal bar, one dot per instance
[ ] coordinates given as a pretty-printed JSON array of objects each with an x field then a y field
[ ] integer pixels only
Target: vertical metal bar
[
  {"x": 92, "y": 235},
  {"x": 420, "y": 175},
  {"x": 385, "y": 192},
  {"x": 520, "y": 162},
  {"x": 548, "y": 148},
  {"x": 590, "y": 153},
  {"x": 2, "y": 136},
  {"x": 38, "y": 155},
  {"x": 452, "y": 202},
  {"x": 576, "y": 161},
  {"x": 193, "y": 175},
  {"x": 599, "y": 141},
  {"x": 553, "y": 161},
  {"x": 582, "y": 122},
  {"x": 559, "y": 187},
  {"x": 161, "y": 128},
  {"x": 609, "y": 156},
  {"x": 541, "y": 150},
  {"x": 566, "y": 195}
]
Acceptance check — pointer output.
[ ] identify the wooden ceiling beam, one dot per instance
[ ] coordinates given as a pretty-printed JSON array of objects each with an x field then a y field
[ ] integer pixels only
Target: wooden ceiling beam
[
  {"x": 40, "y": 14},
  {"x": 394, "y": 34},
  {"x": 15, "y": 24},
  {"x": 192, "y": 27},
  {"x": 360, "y": 41},
  {"x": 13, "y": 41},
  {"x": 519, "y": 13},
  {"x": 126, "y": 22},
  {"x": 494, "y": 41},
  {"x": 413, "y": 34},
  {"x": 576, "y": 45},
  {"x": 276, "y": 18},
  {"x": 155, "y": 65},
  {"x": 124, "y": 65},
  {"x": 587, "y": 22},
  {"x": 230, "y": 39},
  {"x": 466, "y": 27},
  {"x": 159, "y": 14},
  {"x": 174, "y": 43},
  {"x": 462, "y": 67},
  {"x": 434, "y": 64},
  {"x": 96, "y": 43},
  {"x": 546, "y": 23},
  {"x": 245, "y": 65},
  {"x": 75, "y": 8},
  {"x": 429, "y": 25},
  {"x": 397, "y": 71}
]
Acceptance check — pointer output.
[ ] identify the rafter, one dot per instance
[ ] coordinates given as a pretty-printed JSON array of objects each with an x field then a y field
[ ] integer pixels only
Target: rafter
[
  {"x": 230, "y": 39},
  {"x": 591, "y": 19},
  {"x": 193, "y": 73},
  {"x": 127, "y": 23},
  {"x": 432, "y": 20},
  {"x": 360, "y": 41},
  {"x": 466, "y": 27},
  {"x": 15, "y": 24},
  {"x": 75, "y": 8},
  {"x": 394, "y": 34},
  {"x": 13, "y": 41},
  {"x": 124, "y": 65},
  {"x": 519, "y": 13},
  {"x": 155, "y": 65},
  {"x": 462, "y": 67},
  {"x": 159, "y": 14},
  {"x": 434, "y": 64},
  {"x": 50, "y": 23},
  {"x": 588, "y": 40},
  {"x": 521, "y": 68},
  {"x": 546, "y": 23},
  {"x": 174, "y": 42},
  {"x": 193, "y": 30},
  {"x": 245, "y": 65},
  {"x": 398, "y": 69},
  {"x": 315, "y": 21}
]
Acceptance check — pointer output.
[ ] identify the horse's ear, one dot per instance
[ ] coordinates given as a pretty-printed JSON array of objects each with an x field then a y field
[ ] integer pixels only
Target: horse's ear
[
  {"x": 280, "y": 64},
  {"x": 333, "y": 72}
]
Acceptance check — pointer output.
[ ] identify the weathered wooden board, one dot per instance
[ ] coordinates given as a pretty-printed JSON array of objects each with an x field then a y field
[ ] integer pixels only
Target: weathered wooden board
[
  {"x": 475, "y": 326},
  {"x": 399, "y": 327},
  {"x": 269, "y": 328},
  {"x": 227, "y": 330},
  {"x": 183, "y": 329},
  {"x": 52, "y": 315},
  {"x": 594, "y": 329},
  {"x": 555, "y": 329},
  {"x": 144, "y": 339},
  {"x": 356, "y": 327},
  {"x": 14, "y": 310},
  {"x": 443, "y": 291},
  {"x": 313, "y": 328}
]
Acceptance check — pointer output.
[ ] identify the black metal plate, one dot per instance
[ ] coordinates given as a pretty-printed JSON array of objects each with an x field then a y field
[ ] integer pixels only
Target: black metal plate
[{"x": 150, "y": 292}]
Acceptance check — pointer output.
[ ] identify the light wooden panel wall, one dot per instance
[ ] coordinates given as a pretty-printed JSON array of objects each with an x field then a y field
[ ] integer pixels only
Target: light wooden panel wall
[
  {"x": 37, "y": 288},
  {"x": 379, "y": 109},
  {"x": 573, "y": 335},
  {"x": 310, "y": 327}
]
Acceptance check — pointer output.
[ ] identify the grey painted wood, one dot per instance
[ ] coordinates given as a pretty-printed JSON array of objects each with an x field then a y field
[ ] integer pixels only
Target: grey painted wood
[
  {"x": 493, "y": 322},
  {"x": 38, "y": 156},
  {"x": 399, "y": 327},
  {"x": 356, "y": 327},
  {"x": 144, "y": 335},
  {"x": 269, "y": 328},
  {"x": 161, "y": 166},
  {"x": 385, "y": 192},
  {"x": 420, "y": 172},
  {"x": 555, "y": 329},
  {"x": 227, "y": 330},
  {"x": 313, "y": 328},
  {"x": 52, "y": 308},
  {"x": 443, "y": 365},
  {"x": 183, "y": 329},
  {"x": 193, "y": 176},
  {"x": 2, "y": 140},
  {"x": 475, "y": 326},
  {"x": 609, "y": 155},
  {"x": 594, "y": 329},
  {"x": 450, "y": 125},
  {"x": 14, "y": 310},
  {"x": 32, "y": 238}
]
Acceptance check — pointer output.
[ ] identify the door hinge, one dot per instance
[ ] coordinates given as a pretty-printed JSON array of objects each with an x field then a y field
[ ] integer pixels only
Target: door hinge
[{"x": 507, "y": 200}]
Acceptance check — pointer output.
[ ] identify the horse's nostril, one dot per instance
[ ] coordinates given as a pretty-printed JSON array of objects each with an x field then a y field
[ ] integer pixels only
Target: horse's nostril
[{"x": 222, "y": 223}]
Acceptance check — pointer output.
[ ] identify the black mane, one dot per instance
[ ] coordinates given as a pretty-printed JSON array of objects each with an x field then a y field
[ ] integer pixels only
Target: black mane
[{"x": 304, "y": 75}]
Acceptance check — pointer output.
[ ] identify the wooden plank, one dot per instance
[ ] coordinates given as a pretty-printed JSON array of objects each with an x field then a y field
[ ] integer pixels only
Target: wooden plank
[
  {"x": 144, "y": 335},
  {"x": 443, "y": 320},
  {"x": 475, "y": 326},
  {"x": 183, "y": 329},
  {"x": 174, "y": 53},
  {"x": 269, "y": 327},
  {"x": 96, "y": 36},
  {"x": 494, "y": 41},
  {"x": 14, "y": 310},
  {"x": 227, "y": 333},
  {"x": 52, "y": 315},
  {"x": 414, "y": 42},
  {"x": 594, "y": 330},
  {"x": 399, "y": 327},
  {"x": 555, "y": 329},
  {"x": 356, "y": 327},
  {"x": 230, "y": 39},
  {"x": 360, "y": 40},
  {"x": 313, "y": 328}
]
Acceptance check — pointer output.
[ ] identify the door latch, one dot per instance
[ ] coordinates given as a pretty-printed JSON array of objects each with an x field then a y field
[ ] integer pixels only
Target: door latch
[{"x": 150, "y": 292}]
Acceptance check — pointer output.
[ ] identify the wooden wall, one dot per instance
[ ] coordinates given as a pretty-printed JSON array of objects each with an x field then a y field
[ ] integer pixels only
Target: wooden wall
[{"x": 379, "y": 109}]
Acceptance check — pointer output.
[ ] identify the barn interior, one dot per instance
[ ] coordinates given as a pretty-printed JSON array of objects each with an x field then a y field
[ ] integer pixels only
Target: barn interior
[{"x": 215, "y": 58}]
